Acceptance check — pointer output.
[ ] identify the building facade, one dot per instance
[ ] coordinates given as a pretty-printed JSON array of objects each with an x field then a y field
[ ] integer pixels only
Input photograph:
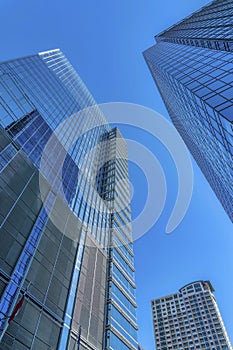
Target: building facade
[
  {"x": 189, "y": 319},
  {"x": 192, "y": 66},
  {"x": 65, "y": 220}
]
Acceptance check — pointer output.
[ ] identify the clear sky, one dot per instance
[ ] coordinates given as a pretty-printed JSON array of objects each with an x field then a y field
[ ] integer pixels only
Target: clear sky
[{"x": 104, "y": 41}]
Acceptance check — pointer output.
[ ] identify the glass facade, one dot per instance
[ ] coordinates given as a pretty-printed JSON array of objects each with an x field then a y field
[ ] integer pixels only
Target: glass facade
[
  {"x": 80, "y": 270},
  {"x": 192, "y": 66},
  {"x": 113, "y": 185},
  {"x": 189, "y": 320}
]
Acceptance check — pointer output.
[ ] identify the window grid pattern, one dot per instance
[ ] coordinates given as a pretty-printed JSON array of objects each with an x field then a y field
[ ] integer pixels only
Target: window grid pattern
[
  {"x": 189, "y": 319},
  {"x": 196, "y": 85},
  {"x": 30, "y": 82},
  {"x": 37, "y": 94},
  {"x": 209, "y": 27},
  {"x": 15, "y": 284},
  {"x": 121, "y": 307}
]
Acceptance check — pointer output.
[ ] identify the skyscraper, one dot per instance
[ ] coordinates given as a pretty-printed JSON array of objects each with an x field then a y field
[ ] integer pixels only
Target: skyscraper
[
  {"x": 192, "y": 66},
  {"x": 189, "y": 319},
  {"x": 66, "y": 252}
]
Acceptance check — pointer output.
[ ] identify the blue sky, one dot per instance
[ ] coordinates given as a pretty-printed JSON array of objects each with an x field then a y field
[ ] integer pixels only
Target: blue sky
[{"x": 104, "y": 41}]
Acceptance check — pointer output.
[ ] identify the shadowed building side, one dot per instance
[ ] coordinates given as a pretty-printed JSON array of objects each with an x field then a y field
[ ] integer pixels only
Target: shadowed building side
[{"x": 56, "y": 221}]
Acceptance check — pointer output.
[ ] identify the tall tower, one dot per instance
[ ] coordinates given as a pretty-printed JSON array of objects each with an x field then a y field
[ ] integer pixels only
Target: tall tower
[
  {"x": 66, "y": 253},
  {"x": 189, "y": 320},
  {"x": 192, "y": 66}
]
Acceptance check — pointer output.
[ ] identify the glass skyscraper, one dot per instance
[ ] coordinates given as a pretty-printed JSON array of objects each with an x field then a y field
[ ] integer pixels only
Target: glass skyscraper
[
  {"x": 65, "y": 219},
  {"x": 189, "y": 320},
  {"x": 192, "y": 66}
]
